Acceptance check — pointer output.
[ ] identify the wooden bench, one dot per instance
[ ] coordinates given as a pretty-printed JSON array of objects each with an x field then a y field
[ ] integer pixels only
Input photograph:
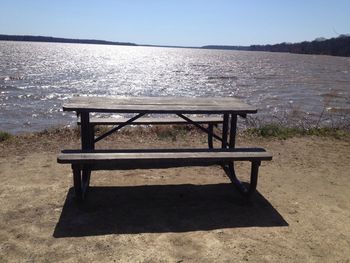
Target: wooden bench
[
  {"x": 210, "y": 121},
  {"x": 83, "y": 162}
]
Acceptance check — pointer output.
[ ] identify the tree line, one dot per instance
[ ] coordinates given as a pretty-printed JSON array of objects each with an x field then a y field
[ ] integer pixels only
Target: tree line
[
  {"x": 62, "y": 40},
  {"x": 339, "y": 46}
]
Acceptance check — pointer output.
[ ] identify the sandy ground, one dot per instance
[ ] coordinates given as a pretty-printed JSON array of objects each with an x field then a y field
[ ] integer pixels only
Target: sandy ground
[{"x": 300, "y": 213}]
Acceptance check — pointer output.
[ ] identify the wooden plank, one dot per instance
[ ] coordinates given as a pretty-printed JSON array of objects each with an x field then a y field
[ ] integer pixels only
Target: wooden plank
[
  {"x": 147, "y": 159},
  {"x": 118, "y": 156},
  {"x": 154, "y": 121},
  {"x": 159, "y": 105}
]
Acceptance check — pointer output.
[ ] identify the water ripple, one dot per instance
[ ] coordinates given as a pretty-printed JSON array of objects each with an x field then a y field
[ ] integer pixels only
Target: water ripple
[{"x": 36, "y": 78}]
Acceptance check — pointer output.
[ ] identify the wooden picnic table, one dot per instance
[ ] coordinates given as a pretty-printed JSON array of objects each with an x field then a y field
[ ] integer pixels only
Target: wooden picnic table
[
  {"x": 158, "y": 105},
  {"x": 229, "y": 108}
]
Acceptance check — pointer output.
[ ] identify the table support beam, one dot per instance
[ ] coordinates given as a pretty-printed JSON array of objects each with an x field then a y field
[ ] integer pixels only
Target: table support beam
[
  {"x": 208, "y": 131},
  {"x": 119, "y": 127}
]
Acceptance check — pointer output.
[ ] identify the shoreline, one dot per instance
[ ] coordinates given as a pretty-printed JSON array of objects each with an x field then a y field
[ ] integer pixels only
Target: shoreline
[{"x": 268, "y": 131}]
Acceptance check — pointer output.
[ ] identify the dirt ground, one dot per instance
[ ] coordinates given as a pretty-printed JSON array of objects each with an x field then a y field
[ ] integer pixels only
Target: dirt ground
[{"x": 300, "y": 213}]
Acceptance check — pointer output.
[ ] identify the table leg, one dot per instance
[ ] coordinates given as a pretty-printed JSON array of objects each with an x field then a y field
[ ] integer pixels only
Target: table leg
[
  {"x": 224, "y": 130},
  {"x": 230, "y": 168},
  {"x": 87, "y": 143},
  {"x": 232, "y": 144},
  {"x": 87, "y": 132},
  {"x": 246, "y": 190},
  {"x": 210, "y": 135},
  {"x": 233, "y": 131}
]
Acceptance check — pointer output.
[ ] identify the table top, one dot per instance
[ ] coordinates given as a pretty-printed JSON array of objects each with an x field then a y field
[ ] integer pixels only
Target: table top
[{"x": 159, "y": 105}]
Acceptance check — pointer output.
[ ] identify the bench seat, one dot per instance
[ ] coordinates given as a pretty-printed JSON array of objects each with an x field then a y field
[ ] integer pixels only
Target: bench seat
[
  {"x": 83, "y": 162},
  {"x": 162, "y": 158}
]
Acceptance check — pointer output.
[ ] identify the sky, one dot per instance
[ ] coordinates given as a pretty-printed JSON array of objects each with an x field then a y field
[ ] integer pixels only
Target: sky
[{"x": 180, "y": 22}]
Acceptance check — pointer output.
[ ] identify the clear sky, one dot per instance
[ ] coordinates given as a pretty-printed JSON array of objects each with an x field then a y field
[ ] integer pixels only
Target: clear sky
[{"x": 178, "y": 22}]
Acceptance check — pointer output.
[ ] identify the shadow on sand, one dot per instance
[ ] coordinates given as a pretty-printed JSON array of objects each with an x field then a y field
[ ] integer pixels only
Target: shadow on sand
[{"x": 162, "y": 208}]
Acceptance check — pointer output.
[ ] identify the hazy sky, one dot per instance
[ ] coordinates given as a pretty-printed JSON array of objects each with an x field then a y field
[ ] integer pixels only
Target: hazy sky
[{"x": 181, "y": 22}]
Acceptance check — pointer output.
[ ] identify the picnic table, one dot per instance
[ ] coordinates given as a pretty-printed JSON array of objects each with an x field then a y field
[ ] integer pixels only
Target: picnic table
[{"x": 186, "y": 110}]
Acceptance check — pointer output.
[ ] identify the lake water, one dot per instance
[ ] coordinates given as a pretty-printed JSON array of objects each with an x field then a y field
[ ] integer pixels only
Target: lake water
[{"x": 37, "y": 78}]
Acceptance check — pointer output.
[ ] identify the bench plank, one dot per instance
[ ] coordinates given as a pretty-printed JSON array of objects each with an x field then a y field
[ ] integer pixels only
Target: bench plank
[
  {"x": 153, "y": 121},
  {"x": 145, "y": 159}
]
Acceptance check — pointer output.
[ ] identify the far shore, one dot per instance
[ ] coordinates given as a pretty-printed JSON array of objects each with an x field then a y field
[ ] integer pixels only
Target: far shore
[{"x": 336, "y": 46}]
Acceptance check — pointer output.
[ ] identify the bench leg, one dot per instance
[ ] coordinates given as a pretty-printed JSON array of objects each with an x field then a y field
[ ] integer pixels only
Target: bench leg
[
  {"x": 77, "y": 183},
  {"x": 244, "y": 190},
  {"x": 85, "y": 181},
  {"x": 81, "y": 180}
]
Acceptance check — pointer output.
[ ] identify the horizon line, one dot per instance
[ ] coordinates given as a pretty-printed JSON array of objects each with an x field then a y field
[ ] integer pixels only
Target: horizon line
[{"x": 56, "y": 39}]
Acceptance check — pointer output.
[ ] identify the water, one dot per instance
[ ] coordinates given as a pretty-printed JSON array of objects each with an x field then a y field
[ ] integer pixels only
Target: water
[{"x": 37, "y": 78}]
